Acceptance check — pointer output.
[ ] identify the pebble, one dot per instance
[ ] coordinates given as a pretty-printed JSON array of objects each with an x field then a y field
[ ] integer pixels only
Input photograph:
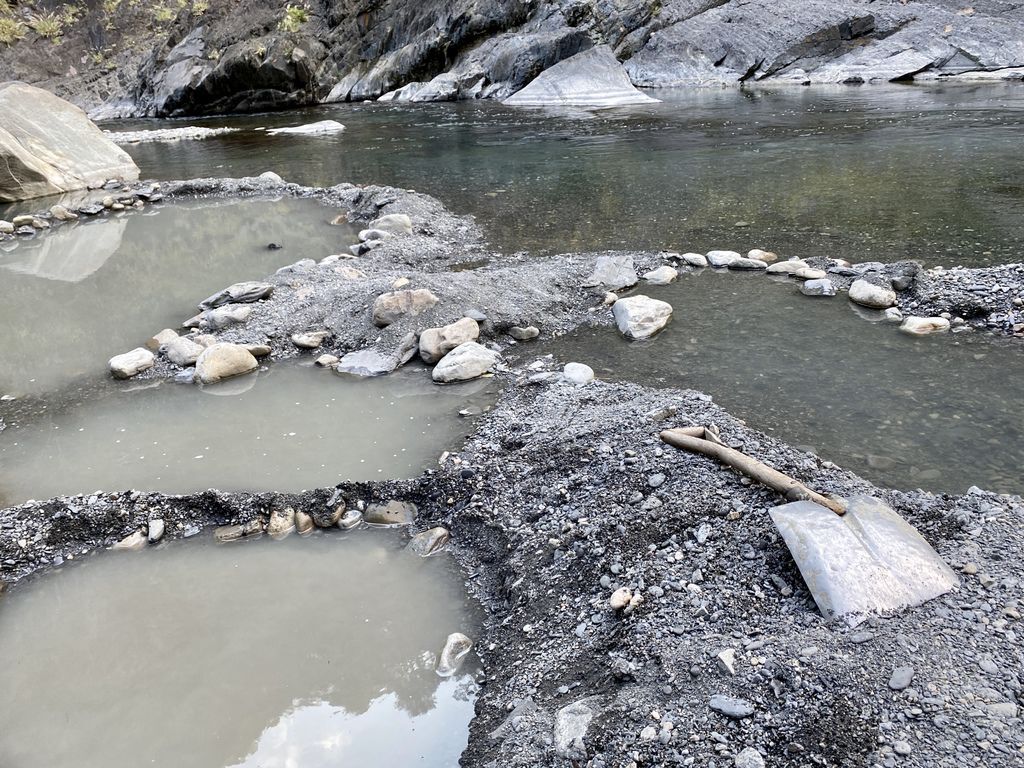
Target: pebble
[
  {"x": 749, "y": 758},
  {"x": 620, "y": 598},
  {"x": 901, "y": 678},
  {"x": 731, "y": 707}
]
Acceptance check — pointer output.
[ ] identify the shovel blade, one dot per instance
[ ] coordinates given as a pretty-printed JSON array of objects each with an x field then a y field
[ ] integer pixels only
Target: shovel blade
[{"x": 870, "y": 560}]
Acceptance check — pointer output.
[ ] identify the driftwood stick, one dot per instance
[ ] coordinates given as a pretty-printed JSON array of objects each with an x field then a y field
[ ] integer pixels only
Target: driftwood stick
[{"x": 688, "y": 439}]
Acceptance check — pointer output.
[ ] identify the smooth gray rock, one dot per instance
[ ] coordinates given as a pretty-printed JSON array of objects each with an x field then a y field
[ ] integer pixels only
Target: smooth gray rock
[
  {"x": 722, "y": 258},
  {"x": 593, "y": 78},
  {"x": 578, "y": 373},
  {"x": 456, "y": 647},
  {"x": 744, "y": 263},
  {"x": 310, "y": 339},
  {"x": 49, "y": 146},
  {"x": 155, "y": 531},
  {"x": 467, "y": 361},
  {"x": 870, "y": 295},
  {"x": 393, "y": 223},
  {"x": 731, "y": 707},
  {"x": 391, "y": 513},
  {"x": 131, "y": 363},
  {"x": 663, "y": 275},
  {"x": 819, "y": 287},
  {"x": 392, "y": 306},
  {"x": 790, "y": 267},
  {"x": 613, "y": 273},
  {"x": 319, "y": 128},
  {"x": 901, "y": 678},
  {"x": 571, "y": 724},
  {"x": 640, "y": 317},
  {"x": 524, "y": 333},
  {"x": 921, "y": 326},
  {"x": 239, "y": 293},
  {"x": 429, "y": 542},
  {"x": 223, "y": 361},
  {"x": 182, "y": 351},
  {"x": 222, "y": 317},
  {"x": 435, "y": 343},
  {"x": 366, "y": 363}
]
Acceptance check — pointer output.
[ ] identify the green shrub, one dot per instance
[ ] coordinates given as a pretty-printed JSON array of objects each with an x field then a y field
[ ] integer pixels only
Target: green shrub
[
  {"x": 11, "y": 30},
  {"x": 47, "y": 25},
  {"x": 294, "y": 17}
]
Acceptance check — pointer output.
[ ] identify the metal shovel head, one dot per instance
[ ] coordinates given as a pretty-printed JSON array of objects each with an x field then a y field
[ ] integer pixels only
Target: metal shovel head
[{"x": 870, "y": 560}]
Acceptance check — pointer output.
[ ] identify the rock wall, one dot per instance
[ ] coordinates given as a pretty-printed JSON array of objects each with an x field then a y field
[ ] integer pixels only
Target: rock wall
[{"x": 240, "y": 55}]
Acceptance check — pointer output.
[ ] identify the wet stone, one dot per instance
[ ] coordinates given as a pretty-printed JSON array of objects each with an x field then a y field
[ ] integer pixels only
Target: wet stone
[
  {"x": 456, "y": 647},
  {"x": 429, "y": 542},
  {"x": 226, "y": 533},
  {"x": 390, "y": 513}
]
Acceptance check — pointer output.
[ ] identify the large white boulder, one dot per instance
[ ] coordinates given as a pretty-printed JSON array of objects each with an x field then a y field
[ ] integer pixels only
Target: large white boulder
[
  {"x": 640, "y": 317},
  {"x": 49, "y": 146},
  {"x": 593, "y": 78}
]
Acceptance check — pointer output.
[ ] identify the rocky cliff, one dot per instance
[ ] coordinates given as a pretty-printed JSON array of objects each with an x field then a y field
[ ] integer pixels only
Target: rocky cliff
[{"x": 183, "y": 57}]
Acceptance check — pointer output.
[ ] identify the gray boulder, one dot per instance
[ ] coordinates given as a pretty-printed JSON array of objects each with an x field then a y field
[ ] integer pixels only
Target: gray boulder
[
  {"x": 640, "y": 317},
  {"x": 131, "y": 363},
  {"x": 239, "y": 293},
  {"x": 870, "y": 295},
  {"x": 613, "y": 273},
  {"x": 435, "y": 343},
  {"x": 593, "y": 78},
  {"x": 49, "y": 146},
  {"x": 819, "y": 287},
  {"x": 182, "y": 351},
  {"x": 222, "y": 361},
  {"x": 394, "y": 305},
  {"x": 467, "y": 361}
]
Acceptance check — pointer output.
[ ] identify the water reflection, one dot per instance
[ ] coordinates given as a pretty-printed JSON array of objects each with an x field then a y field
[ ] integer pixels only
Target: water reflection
[
  {"x": 73, "y": 297},
  {"x": 308, "y": 652},
  {"x": 940, "y": 412},
  {"x": 878, "y": 173},
  {"x": 288, "y": 428}
]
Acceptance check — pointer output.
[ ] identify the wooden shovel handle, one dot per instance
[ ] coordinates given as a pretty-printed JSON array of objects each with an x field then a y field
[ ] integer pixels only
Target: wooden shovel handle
[{"x": 692, "y": 439}]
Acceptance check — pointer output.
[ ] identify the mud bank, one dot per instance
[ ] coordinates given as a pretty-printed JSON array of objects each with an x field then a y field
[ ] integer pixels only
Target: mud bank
[{"x": 564, "y": 494}]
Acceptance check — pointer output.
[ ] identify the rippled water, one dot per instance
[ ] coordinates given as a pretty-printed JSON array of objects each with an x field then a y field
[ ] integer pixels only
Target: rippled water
[
  {"x": 932, "y": 173},
  {"x": 73, "y": 297},
  {"x": 289, "y": 428},
  {"x": 940, "y": 412},
  {"x": 312, "y": 652}
]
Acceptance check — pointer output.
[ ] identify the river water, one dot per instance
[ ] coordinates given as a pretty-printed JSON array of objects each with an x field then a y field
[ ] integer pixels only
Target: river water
[
  {"x": 882, "y": 173},
  {"x": 199, "y": 654}
]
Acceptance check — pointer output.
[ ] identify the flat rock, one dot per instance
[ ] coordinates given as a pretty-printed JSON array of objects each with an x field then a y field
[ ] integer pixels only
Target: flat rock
[
  {"x": 768, "y": 257},
  {"x": 182, "y": 351},
  {"x": 722, "y": 258},
  {"x": 663, "y": 275},
  {"x": 239, "y": 293},
  {"x": 394, "y": 305},
  {"x": 222, "y": 317},
  {"x": 429, "y": 542},
  {"x": 366, "y": 363},
  {"x": 921, "y": 326},
  {"x": 524, "y": 333},
  {"x": 435, "y": 343},
  {"x": 819, "y": 287},
  {"x": 393, "y": 223},
  {"x": 318, "y": 128},
  {"x": 131, "y": 363},
  {"x": 731, "y": 707},
  {"x": 391, "y": 513},
  {"x": 310, "y": 339},
  {"x": 467, "y": 361},
  {"x": 809, "y": 273},
  {"x": 747, "y": 264},
  {"x": 870, "y": 295},
  {"x": 593, "y": 78},
  {"x": 49, "y": 146},
  {"x": 640, "y": 317},
  {"x": 613, "y": 273},
  {"x": 222, "y": 361},
  {"x": 790, "y": 267}
]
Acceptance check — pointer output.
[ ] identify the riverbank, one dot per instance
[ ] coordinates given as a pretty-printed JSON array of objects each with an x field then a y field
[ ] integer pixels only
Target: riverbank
[{"x": 564, "y": 494}]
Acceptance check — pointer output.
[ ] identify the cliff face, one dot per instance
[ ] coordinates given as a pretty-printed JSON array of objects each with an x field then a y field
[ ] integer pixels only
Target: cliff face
[{"x": 236, "y": 55}]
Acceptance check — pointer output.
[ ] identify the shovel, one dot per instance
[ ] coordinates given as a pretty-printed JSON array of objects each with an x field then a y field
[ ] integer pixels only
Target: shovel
[{"x": 857, "y": 557}]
